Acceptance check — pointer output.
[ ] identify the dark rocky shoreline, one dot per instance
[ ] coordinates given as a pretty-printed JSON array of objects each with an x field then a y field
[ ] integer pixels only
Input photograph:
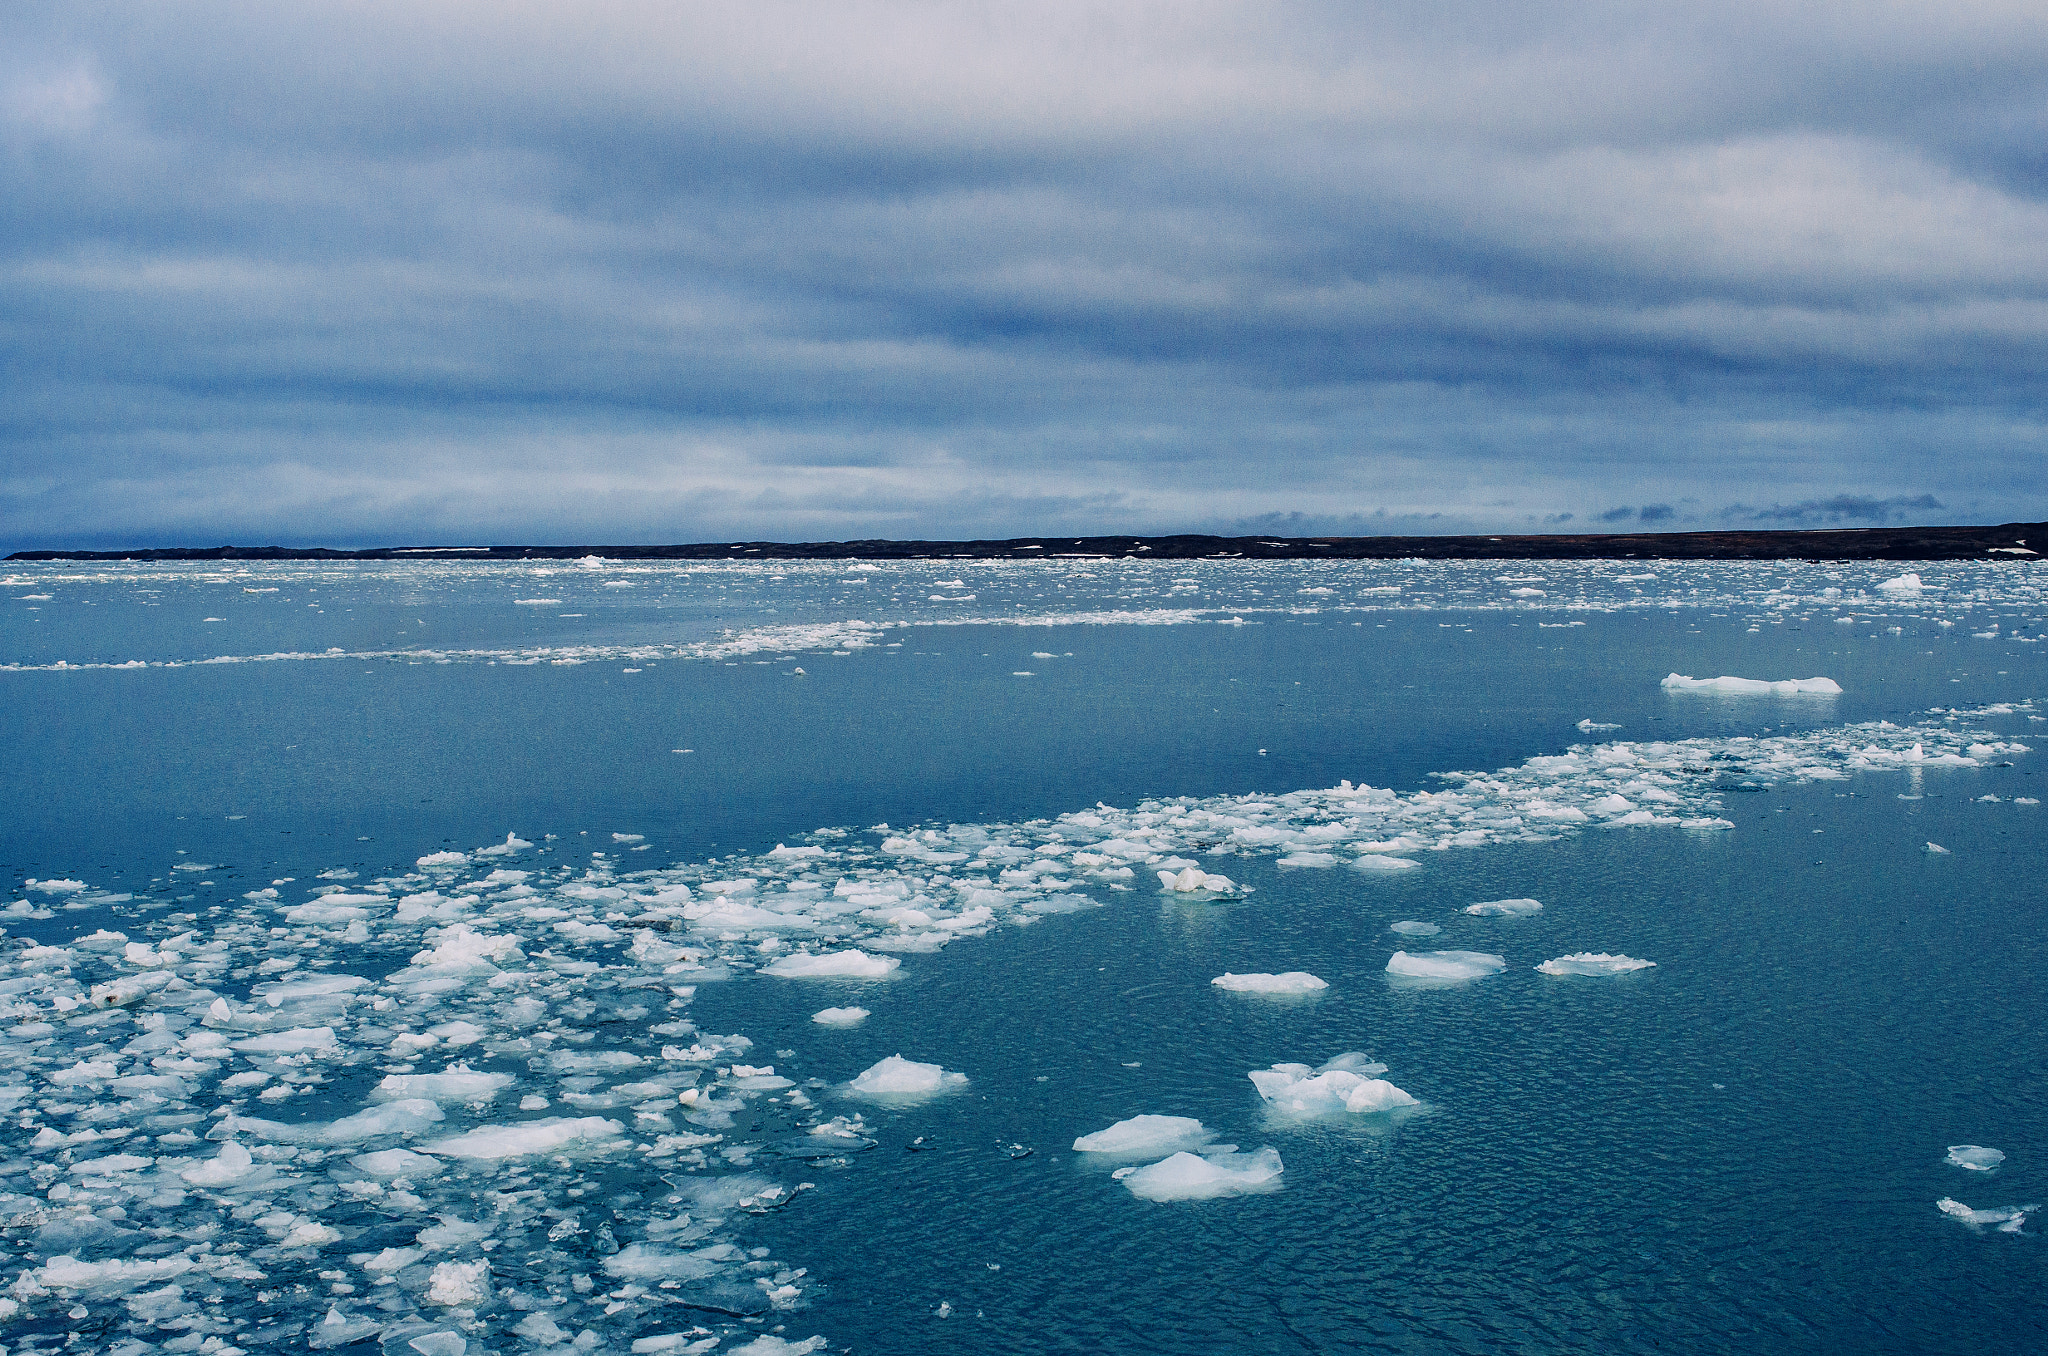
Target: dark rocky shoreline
[{"x": 2012, "y": 541}]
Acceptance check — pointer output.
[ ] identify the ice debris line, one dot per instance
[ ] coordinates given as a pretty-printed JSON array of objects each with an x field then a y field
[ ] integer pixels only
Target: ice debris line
[{"x": 521, "y": 1066}]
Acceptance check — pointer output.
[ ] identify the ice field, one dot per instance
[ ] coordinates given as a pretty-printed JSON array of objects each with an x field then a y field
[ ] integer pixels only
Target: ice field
[{"x": 1068, "y": 955}]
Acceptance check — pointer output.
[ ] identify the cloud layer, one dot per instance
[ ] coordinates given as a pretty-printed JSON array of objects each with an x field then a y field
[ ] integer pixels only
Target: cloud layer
[{"x": 630, "y": 272}]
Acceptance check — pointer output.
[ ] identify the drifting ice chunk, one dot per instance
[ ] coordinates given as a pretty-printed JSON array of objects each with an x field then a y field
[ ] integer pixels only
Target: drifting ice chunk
[
  {"x": 1146, "y": 1137},
  {"x": 444, "y": 859},
  {"x": 1193, "y": 878},
  {"x": 233, "y": 1163},
  {"x": 1445, "y": 964},
  {"x": 1409, "y": 927},
  {"x": 1293, "y": 982},
  {"x": 396, "y": 1163},
  {"x": 899, "y": 1080},
  {"x": 1975, "y": 1157},
  {"x": 1935, "y": 849},
  {"x": 840, "y": 1017},
  {"x": 1308, "y": 859},
  {"x": 2008, "y": 1219},
  {"x": 460, "y": 1284},
  {"x": 457, "y": 1083},
  {"x": 398, "y": 1118},
  {"x": 299, "y": 1040},
  {"x": 1905, "y": 583},
  {"x": 1375, "y": 861},
  {"x": 1782, "y": 687},
  {"x": 1505, "y": 908},
  {"x": 1593, "y": 963},
  {"x": 527, "y": 1137},
  {"x": 1328, "y": 1091},
  {"x": 850, "y": 964},
  {"x": 1186, "y": 1177}
]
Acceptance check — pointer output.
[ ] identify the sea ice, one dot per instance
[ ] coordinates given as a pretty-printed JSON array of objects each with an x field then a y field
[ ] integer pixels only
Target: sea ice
[
  {"x": 1593, "y": 963},
  {"x": 1293, "y": 982},
  {"x": 1782, "y": 687},
  {"x": 549, "y": 1135},
  {"x": 395, "y": 1163},
  {"x": 1193, "y": 878},
  {"x": 1379, "y": 861},
  {"x": 1409, "y": 927},
  {"x": 1146, "y": 1136},
  {"x": 1296, "y": 1089},
  {"x": 2007, "y": 1218},
  {"x": 456, "y": 1083},
  {"x": 1905, "y": 583},
  {"x": 899, "y": 1080},
  {"x": 408, "y": 1117},
  {"x": 1189, "y": 1177},
  {"x": 840, "y": 1017},
  {"x": 1975, "y": 1157},
  {"x": 460, "y": 1284},
  {"x": 850, "y": 964},
  {"x": 1505, "y": 908},
  {"x": 1445, "y": 964}
]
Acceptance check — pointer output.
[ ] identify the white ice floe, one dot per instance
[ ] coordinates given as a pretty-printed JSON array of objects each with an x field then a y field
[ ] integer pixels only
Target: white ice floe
[
  {"x": 555, "y": 1134},
  {"x": 456, "y": 1083},
  {"x": 1505, "y": 908},
  {"x": 1975, "y": 1157},
  {"x": 1935, "y": 849},
  {"x": 1411, "y": 927},
  {"x": 1342, "y": 1086},
  {"x": 1762, "y": 687},
  {"x": 1193, "y": 878},
  {"x": 2008, "y": 1218},
  {"x": 1146, "y": 1136},
  {"x": 1447, "y": 965},
  {"x": 840, "y": 1017},
  {"x": 397, "y": 1163},
  {"x": 1193, "y": 1177},
  {"x": 850, "y": 964},
  {"x": 1294, "y": 982},
  {"x": 1379, "y": 861},
  {"x": 898, "y": 1080},
  {"x": 1593, "y": 963},
  {"x": 1902, "y": 584}
]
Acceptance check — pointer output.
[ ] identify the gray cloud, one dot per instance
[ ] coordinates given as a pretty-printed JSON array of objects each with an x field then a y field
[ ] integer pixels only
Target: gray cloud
[{"x": 491, "y": 273}]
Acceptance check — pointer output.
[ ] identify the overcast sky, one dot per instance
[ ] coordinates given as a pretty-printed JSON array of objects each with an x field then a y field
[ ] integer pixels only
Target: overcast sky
[{"x": 629, "y": 272}]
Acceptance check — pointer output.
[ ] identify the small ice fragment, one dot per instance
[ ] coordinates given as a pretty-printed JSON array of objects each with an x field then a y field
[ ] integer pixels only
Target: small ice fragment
[
  {"x": 460, "y": 1285},
  {"x": 439, "y": 1344},
  {"x": 1146, "y": 1136},
  {"x": 1409, "y": 927},
  {"x": 1379, "y": 861},
  {"x": 1975, "y": 1157},
  {"x": 444, "y": 859},
  {"x": 1905, "y": 583},
  {"x": 840, "y": 1017},
  {"x": 1293, "y": 982},
  {"x": 1330, "y": 1090},
  {"x": 1445, "y": 964},
  {"x": 457, "y": 1083},
  {"x": 2008, "y": 1218},
  {"x": 1505, "y": 908},
  {"x": 395, "y": 1163},
  {"x": 1935, "y": 849},
  {"x": 233, "y": 1163},
  {"x": 1189, "y": 1177},
  {"x": 1193, "y": 878},
  {"x": 553, "y": 1134},
  {"x": 899, "y": 1080},
  {"x": 852, "y": 963},
  {"x": 1763, "y": 687},
  {"x": 1589, "y": 725},
  {"x": 1593, "y": 963}
]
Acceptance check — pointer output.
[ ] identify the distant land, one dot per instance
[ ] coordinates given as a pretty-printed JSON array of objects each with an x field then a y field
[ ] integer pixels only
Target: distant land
[{"x": 2007, "y": 542}]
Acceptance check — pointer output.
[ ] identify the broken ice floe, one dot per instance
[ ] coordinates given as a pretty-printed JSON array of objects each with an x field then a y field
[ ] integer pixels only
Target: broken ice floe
[
  {"x": 1593, "y": 963},
  {"x": 2008, "y": 1218},
  {"x": 898, "y": 1081},
  {"x": 1505, "y": 908},
  {"x": 1146, "y": 1136},
  {"x": 840, "y": 1017},
  {"x": 1198, "y": 1177},
  {"x": 1294, "y": 982},
  {"x": 1975, "y": 1157},
  {"x": 1410, "y": 927},
  {"x": 1344, "y": 1086},
  {"x": 1192, "y": 878},
  {"x": 1445, "y": 965},
  {"x": 1759, "y": 687}
]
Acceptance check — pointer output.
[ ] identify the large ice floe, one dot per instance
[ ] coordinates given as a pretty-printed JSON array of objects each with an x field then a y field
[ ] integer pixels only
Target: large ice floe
[
  {"x": 1594, "y": 963},
  {"x": 1755, "y": 687},
  {"x": 466, "y": 1101},
  {"x": 1345, "y": 1086},
  {"x": 1449, "y": 966},
  {"x": 1975, "y": 1157}
]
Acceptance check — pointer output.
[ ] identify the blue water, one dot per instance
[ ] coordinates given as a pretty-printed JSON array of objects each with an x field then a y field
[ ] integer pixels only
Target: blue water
[{"x": 1738, "y": 1149}]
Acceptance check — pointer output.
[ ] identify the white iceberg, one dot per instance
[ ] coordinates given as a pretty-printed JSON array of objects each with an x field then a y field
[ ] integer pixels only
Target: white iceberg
[
  {"x": 1190, "y": 1177},
  {"x": 1904, "y": 584},
  {"x": 1445, "y": 964},
  {"x": 901, "y": 1080},
  {"x": 852, "y": 963},
  {"x": 1293, "y": 982},
  {"x": 1593, "y": 963},
  {"x": 840, "y": 1017},
  {"x": 1975, "y": 1157},
  {"x": 1300, "y": 1091},
  {"x": 1505, "y": 908},
  {"x": 1146, "y": 1137},
  {"x": 1758, "y": 687}
]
